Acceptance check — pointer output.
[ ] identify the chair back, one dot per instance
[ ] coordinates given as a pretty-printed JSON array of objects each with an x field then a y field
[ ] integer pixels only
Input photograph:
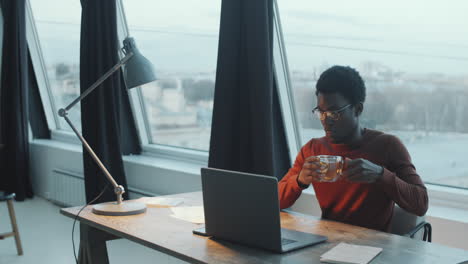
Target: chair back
[
  {"x": 403, "y": 222},
  {"x": 408, "y": 224}
]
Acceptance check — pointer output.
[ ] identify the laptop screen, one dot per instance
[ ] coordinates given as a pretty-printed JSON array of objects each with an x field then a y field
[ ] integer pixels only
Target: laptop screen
[{"x": 241, "y": 207}]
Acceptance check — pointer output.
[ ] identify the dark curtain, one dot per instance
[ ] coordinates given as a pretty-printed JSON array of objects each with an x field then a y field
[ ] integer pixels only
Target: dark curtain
[
  {"x": 14, "y": 102},
  {"x": 130, "y": 142},
  {"x": 101, "y": 110},
  {"x": 247, "y": 131}
]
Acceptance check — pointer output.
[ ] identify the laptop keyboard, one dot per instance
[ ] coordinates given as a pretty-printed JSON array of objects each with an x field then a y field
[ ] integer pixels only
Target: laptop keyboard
[{"x": 285, "y": 241}]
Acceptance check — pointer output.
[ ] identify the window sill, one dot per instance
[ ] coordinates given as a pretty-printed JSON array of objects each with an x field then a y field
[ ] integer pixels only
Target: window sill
[
  {"x": 65, "y": 137},
  {"x": 172, "y": 162},
  {"x": 166, "y": 153},
  {"x": 175, "y": 153},
  {"x": 164, "y": 163}
]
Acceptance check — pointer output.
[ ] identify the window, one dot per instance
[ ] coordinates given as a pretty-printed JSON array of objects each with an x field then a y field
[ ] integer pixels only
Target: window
[
  {"x": 59, "y": 37},
  {"x": 414, "y": 62},
  {"x": 180, "y": 38}
]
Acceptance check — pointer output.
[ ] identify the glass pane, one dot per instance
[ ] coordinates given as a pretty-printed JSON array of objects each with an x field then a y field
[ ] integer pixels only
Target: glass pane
[
  {"x": 59, "y": 37},
  {"x": 180, "y": 37},
  {"x": 414, "y": 62}
]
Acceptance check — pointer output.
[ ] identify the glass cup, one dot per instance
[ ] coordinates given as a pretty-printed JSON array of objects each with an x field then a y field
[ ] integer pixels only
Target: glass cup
[{"x": 333, "y": 166}]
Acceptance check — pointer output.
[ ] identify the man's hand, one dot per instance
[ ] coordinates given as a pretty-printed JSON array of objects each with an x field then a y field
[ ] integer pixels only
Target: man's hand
[
  {"x": 362, "y": 170},
  {"x": 312, "y": 170}
]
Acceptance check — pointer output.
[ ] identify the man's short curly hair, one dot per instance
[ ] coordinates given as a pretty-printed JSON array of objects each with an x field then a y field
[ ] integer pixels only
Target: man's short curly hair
[{"x": 344, "y": 80}]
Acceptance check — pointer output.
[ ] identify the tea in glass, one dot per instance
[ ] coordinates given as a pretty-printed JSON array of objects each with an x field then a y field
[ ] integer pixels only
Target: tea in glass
[{"x": 333, "y": 168}]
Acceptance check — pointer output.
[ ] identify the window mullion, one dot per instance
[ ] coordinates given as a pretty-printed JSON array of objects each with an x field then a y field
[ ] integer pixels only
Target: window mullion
[
  {"x": 40, "y": 70},
  {"x": 136, "y": 99},
  {"x": 284, "y": 87}
]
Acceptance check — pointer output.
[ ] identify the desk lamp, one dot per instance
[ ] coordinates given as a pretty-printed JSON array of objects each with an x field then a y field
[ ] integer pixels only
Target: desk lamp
[{"x": 137, "y": 71}]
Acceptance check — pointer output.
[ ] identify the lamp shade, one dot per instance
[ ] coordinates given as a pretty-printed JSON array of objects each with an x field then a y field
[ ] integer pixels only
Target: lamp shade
[{"x": 137, "y": 70}]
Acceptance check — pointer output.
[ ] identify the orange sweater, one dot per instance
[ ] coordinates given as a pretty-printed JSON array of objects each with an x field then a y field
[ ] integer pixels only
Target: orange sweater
[{"x": 362, "y": 204}]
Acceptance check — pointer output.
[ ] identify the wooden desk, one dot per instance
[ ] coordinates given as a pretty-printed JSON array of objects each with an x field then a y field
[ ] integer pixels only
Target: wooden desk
[{"x": 158, "y": 230}]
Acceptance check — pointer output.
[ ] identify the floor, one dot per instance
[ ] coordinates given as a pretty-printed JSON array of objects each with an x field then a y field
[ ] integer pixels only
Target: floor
[{"x": 46, "y": 238}]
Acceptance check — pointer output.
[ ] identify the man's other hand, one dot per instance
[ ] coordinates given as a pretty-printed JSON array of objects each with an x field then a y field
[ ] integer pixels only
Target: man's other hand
[{"x": 362, "y": 170}]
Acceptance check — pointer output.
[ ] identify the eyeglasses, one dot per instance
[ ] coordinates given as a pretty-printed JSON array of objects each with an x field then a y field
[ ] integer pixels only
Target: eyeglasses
[{"x": 333, "y": 115}]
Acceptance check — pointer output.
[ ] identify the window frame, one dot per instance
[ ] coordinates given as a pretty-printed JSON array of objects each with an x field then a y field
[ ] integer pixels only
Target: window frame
[
  {"x": 135, "y": 95},
  {"x": 40, "y": 71},
  {"x": 284, "y": 87}
]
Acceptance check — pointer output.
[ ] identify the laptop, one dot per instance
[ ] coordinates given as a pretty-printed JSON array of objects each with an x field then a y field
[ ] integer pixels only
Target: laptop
[{"x": 244, "y": 208}]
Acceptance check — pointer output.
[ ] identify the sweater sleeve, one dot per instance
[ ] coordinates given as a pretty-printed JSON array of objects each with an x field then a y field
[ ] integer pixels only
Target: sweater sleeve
[
  {"x": 400, "y": 180},
  {"x": 288, "y": 188}
]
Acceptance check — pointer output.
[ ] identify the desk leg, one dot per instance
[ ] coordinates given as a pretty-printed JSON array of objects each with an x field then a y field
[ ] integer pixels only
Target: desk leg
[{"x": 93, "y": 249}]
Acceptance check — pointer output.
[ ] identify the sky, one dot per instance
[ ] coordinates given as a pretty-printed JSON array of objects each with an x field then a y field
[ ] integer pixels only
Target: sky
[{"x": 413, "y": 36}]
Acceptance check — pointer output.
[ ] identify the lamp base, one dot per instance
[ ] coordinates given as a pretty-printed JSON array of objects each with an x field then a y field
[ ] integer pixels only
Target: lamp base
[{"x": 114, "y": 209}]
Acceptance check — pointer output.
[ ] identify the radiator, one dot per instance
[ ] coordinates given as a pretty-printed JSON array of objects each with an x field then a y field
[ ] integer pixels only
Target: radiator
[{"x": 68, "y": 188}]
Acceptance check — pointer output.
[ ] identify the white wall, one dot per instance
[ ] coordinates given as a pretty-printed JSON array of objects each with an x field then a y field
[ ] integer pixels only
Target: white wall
[{"x": 150, "y": 175}]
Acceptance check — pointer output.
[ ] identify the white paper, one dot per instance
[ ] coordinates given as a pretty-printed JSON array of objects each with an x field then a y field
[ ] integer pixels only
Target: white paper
[
  {"x": 192, "y": 214},
  {"x": 349, "y": 253},
  {"x": 161, "y": 201}
]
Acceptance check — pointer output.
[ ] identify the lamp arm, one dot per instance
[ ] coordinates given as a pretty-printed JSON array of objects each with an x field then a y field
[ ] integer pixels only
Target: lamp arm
[
  {"x": 118, "y": 189},
  {"x": 63, "y": 112},
  {"x": 100, "y": 80}
]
